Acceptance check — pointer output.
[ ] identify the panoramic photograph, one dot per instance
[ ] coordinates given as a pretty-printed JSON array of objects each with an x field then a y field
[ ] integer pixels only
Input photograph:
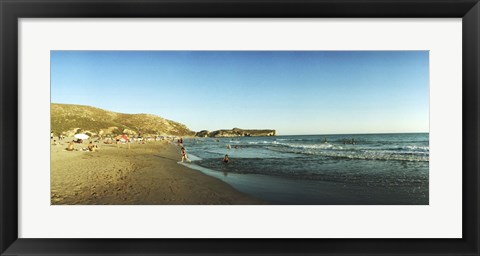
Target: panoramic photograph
[{"x": 239, "y": 128}]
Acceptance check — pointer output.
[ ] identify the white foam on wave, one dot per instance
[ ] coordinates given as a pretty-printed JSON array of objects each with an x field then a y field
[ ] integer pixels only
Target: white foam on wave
[
  {"x": 312, "y": 146},
  {"x": 260, "y": 142},
  {"x": 417, "y": 148},
  {"x": 290, "y": 139},
  {"x": 356, "y": 153},
  {"x": 372, "y": 155},
  {"x": 193, "y": 157},
  {"x": 328, "y": 146}
]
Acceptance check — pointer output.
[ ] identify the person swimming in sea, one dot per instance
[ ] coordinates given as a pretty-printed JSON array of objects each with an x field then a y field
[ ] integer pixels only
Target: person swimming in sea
[{"x": 226, "y": 159}]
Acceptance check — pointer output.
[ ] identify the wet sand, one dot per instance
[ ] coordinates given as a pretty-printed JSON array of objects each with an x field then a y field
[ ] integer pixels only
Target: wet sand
[{"x": 145, "y": 174}]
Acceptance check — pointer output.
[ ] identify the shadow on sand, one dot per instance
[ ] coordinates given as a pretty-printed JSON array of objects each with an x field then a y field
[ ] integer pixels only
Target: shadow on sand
[{"x": 176, "y": 160}]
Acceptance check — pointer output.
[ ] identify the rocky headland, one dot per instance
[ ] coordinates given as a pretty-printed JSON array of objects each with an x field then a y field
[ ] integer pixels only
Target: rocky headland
[{"x": 69, "y": 119}]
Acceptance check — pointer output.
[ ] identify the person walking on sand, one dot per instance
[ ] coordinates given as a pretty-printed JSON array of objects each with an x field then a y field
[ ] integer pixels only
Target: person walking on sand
[{"x": 184, "y": 155}]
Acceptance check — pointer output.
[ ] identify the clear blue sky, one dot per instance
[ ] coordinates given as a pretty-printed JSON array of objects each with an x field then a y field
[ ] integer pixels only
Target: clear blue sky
[{"x": 294, "y": 92}]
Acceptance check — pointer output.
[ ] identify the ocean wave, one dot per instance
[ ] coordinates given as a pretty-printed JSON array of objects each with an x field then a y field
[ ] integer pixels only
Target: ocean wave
[
  {"x": 352, "y": 147},
  {"x": 291, "y": 139},
  {"x": 311, "y": 146},
  {"x": 361, "y": 154},
  {"x": 382, "y": 156},
  {"x": 296, "y": 147},
  {"x": 259, "y": 142},
  {"x": 416, "y": 148},
  {"x": 193, "y": 157},
  {"x": 362, "y": 173}
]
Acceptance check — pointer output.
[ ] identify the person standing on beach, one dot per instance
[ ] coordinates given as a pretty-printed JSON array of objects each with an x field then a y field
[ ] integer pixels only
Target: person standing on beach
[{"x": 184, "y": 155}]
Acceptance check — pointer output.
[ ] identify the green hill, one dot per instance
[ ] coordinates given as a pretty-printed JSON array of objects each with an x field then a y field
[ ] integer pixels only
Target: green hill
[{"x": 69, "y": 119}]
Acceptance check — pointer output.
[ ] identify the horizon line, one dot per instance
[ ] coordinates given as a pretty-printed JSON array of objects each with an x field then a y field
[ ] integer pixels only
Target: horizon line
[{"x": 364, "y": 133}]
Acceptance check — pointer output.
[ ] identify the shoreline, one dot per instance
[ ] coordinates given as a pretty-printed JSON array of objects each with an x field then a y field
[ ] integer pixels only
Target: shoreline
[
  {"x": 296, "y": 170},
  {"x": 145, "y": 174}
]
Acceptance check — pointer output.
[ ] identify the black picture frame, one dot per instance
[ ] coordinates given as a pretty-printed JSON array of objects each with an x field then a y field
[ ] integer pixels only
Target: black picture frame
[{"x": 12, "y": 10}]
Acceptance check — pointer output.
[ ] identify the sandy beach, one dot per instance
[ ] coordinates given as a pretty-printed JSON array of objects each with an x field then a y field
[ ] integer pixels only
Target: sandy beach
[{"x": 145, "y": 174}]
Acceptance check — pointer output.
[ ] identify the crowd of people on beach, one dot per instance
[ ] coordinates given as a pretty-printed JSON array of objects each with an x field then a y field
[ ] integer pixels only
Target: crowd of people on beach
[{"x": 91, "y": 147}]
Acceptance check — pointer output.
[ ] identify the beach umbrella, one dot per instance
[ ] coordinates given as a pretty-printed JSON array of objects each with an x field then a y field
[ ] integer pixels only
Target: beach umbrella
[{"x": 81, "y": 136}]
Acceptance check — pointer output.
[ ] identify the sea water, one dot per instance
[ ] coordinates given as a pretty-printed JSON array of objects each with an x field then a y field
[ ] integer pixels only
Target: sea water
[{"x": 320, "y": 169}]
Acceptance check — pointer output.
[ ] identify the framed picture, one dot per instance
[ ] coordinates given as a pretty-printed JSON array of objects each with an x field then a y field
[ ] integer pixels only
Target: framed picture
[{"x": 254, "y": 128}]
